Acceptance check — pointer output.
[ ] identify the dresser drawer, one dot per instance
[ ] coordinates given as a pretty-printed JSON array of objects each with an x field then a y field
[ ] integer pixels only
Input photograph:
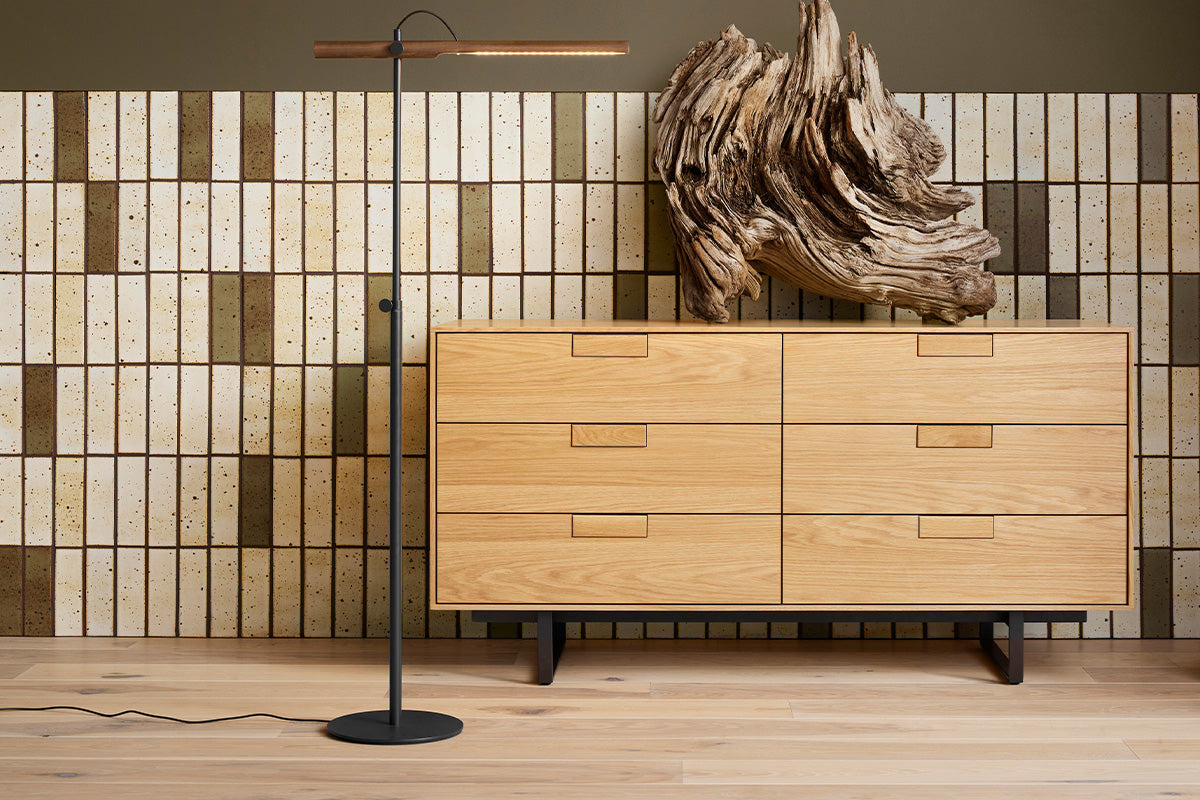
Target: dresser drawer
[
  {"x": 956, "y": 377},
  {"x": 556, "y": 468},
  {"x": 1024, "y": 469},
  {"x": 1029, "y": 560},
  {"x": 608, "y": 377},
  {"x": 511, "y": 559}
]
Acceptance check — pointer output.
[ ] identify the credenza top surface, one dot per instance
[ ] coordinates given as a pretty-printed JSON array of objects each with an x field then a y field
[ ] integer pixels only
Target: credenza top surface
[{"x": 777, "y": 326}]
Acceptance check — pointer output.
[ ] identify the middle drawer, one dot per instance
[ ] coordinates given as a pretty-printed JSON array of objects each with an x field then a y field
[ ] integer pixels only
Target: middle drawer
[{"x": 484, "y": 467}]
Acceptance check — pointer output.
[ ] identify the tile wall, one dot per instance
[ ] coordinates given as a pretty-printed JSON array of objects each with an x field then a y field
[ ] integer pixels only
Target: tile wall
[{"x": 193, "y": 420}]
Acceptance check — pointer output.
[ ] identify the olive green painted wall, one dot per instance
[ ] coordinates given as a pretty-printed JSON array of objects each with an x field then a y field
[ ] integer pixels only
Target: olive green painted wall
[{"x": 923, "y": 45}]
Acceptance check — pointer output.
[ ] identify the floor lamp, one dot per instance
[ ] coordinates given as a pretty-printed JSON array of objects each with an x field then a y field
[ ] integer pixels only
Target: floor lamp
[{"x": 397, "y": 725}]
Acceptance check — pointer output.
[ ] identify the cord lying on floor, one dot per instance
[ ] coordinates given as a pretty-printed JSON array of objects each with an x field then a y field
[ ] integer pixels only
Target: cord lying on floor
[{"x": 161, "y": 716}]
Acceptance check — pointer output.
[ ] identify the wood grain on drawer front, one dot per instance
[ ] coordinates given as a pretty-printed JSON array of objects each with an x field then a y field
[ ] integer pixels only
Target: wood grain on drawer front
[
  {"x": 1029, "y": 469},
  {"x": 535, "y": 469},
  {"x": 532, "y": 558},
  {"x": 846, "y": 559},
  {"x": 1029, "y": 378},
  {"x": 534, "y": 377}
]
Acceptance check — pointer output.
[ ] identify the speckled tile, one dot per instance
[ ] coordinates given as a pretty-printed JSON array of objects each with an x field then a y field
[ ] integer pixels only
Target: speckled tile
[
  {"x": 38, "y": 592},
  {"x": 1185, "y": 612},
  {"x": 10, "y": 512},
  {"x": 102, "y": 136},
  {"x": 256, "y": 410},
  {"x": 443, "y": 136},
  {"x": 1155, "y": 411},
  {"x": 70, "y": 136},
  {"x": 414, "y": 610},
  {"x": 1155, "y": 317},
  {"x": 415, "y": 411},
  {"x": 350, "y": 154},
  {"x": 476, "y": 297},
  {"x": 223, "y": 597},
  {"x": 286, "y": 502},
  {"x": 195, "y": 136},
  {"x": 1063, "y": 229},
  {"x": 68, "y": 502},
  {"x": 475, "y": 241},
  {"x": 630, "y": 136},
  {"x": 1155, "y": 501},
  {"x": 193, "y": 592},
  {"x": 226, "y": 136},
  {"x": 131, "y": 591},
  {"x": 1031, "y": 137},
  {"x": 68, "y": 592},
  {"x": 1123, "y": 227},
  {"x": 256, "y": 227},
  {"x": 318, "y": 136},
  {"x": 538, "y": 229},
  {"x": 70, "y": 212},
  {"x": 38, "y": 513},
  {"x": 193, "y": 227},
  {"x": 225, "y": 416},
  {"x": 100, "y": 247},
  {"x": 1185, "y": 160},
  {"x": 1092, "y": 133},
  {"x": 12, "y": 415},
  {"x": 223, "y": 478},
  {"x": 98, "y": 591},
  {"x": 536, "y": 145},
  {"x": 505, "y": 136},
  {"x": 318, "y": 592},
  {"x": 1185, "y": 505},
  {"x": 258, "y": 136},
  {"x": 443, "y": 227},
  {"x": 414, "y": 227},
  {"x": 255, "y": 592},
  {"x": 164, "y": 135},
  {"x": 1185, "y": 228},
  {"x": 568, "y": 227},
  {"x": 379, "y": 134},
  {"x": 70, "y": 397},
  {"x": 1123, "y": 138},
  {"x": 161, "y": 591},
  {"x": 568, "y": 136},
  {"x": 350, "y": 227},
  {"x": 505, "y": 226},
  {"x": 101, "y": 410},
  {"x": 350, "y": 409},
  {"x": 1155, "y": 243},
  {"x": 349, "y": 500},
  {"x": 598, "y": 301},
  {"x": 194, "y": 385},
  {"x": 132, "y": 408},
  {"x": 598, "y": 227},
  {"x": 132, "y": 136},
  {"x": 443, "y": 299},
  {"x": 163, "y": 222},
  {"x": 288, "y": 241},
  {"x": 39, "y": 136},
  {"x": 318, "y": 411},
  {"x": 39, "y": 227},
  {"x": 132, "y": 222},
  {"x": 348, "y": 592},
  {"x": 1153, "y": 126},
  {"x": 163, "y": 411},
  {"x": 1000, "y": 219},
  {"x": 506, "y": 297},
  {"x": 318, "y": 227},
  {"x": 377, "y": 521},
  {"x": 1185, "y": 319},
  {"x": 1006, "y": 299},
  {"x": 162, "y": 519},
  {"x": 999, "y": 136},
  {"x": 318, "y": 319},
  {"x": 939, "y": 113},
  {"x": 285, "y": 592},
  {"x": 631, "y": 228},
  {"x": 968, "y": 138},
  {"x": 536, "y": 294},
  {"x": 1185, "y": 411}
]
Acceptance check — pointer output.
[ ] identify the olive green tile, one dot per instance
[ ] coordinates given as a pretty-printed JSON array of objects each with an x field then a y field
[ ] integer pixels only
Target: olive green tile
[
  {"x": 10, "y": 591},
  {"x": 816, "y": 630},
  {"x": 379, "y": 324},
  {"x": 70, "y": 136},
  {"x": 1185, "y": 319},
  {"x": 660, "y": 242},
  {"x": 195, "y": 136},
  {"x": 1062, "y": 297},
  {"x": 254, "y": 501},
  {"x": 100, "y": 255},
  {"x": 39, "y": 592},
  {"x": 568, "y": 136},
  {"x": 815, "y": 306},
  {"x": 258, "y": 136},
  {"x": 226, "y": 323},
  {"x": 475, "y": 246},
  {"x": 39, "y": 410},
  {"x": 1156, "y": 593},
  {"x": 1154, "y": 122},
  {"x": 257, "y": 319},
  {"x": 999, "y": 218},
  {"x": 1032, "y": 229},
  {"x": 350, "y": 392},
  {"x": 631, "y": 296}
]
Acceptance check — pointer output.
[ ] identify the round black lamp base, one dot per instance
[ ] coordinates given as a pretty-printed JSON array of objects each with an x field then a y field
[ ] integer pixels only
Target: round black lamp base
[{"x": 373, "y": 727}]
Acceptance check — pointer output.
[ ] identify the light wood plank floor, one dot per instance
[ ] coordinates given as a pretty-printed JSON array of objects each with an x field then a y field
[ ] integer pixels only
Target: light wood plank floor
[{"x": 635, "y": 720}]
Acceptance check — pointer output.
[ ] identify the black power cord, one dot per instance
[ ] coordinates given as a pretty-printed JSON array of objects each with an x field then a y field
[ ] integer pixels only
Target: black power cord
[
  {"x": 430, "y": 13},
  {"x": 161, "y": 716}
]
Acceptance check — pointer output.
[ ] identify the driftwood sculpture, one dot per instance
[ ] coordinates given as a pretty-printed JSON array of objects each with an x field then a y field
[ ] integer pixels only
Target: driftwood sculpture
[{"x": 809, "y": 171}]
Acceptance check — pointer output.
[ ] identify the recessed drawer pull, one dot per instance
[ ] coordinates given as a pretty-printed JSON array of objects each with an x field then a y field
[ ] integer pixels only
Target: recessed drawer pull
[
  {"x": 954, "y": 344},
  {"x": 609, "y": 345},
  {"x": 955, "y": 528},
  {"x": 954, "y": 436},
  {"x": 608, "y": 526},
  {"x": 608, "y": 436}
]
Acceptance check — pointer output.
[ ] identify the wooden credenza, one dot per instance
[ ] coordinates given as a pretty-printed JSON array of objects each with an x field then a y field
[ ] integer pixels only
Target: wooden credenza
[{"x": 825, "y": 467}]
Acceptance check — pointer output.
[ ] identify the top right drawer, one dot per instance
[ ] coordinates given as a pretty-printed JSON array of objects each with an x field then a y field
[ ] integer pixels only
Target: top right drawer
[{"x": 987, "y": 378}]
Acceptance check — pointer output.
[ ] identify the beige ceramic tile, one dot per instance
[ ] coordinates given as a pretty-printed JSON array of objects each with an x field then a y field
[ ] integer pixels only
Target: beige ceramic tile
[
  {"x": 443, "y": 136},
  {"x": 223, "y": 597},
  {"x": 256, "y": 227},
  {"x": 11, "y": 335},
  {"x": 39, "y": 227},
  {"x": 1155, "y": 319},
  {"x": 287, "y": 407},
  {"x": 414, "y": 227},
  {"x": 69, "y": 215},
  {"x": 11, "y": 414},
  {"x": 1185, "y": 505},
  {"x": 1185, "y": 228},
  {"x": 100, "y": 501},
  {"x": 378, "y": 502},
  {"x": 289, "y": 319},
  {"x": 39, "y": 136},
  {"x": 443, "y": 227},
  {"x": 999, "y": 117},
  {"x": 1156, "y": 502},
  {"x": 1005, "y": 307},
  {"x": 256, "y": 410},
  {"x": 443, "y": 299},
  {"x": 69, "y": 421},
  {"x": 161, "y": 591},
  {"x": 414, "y": 423},
  {"x": 1155, "y": 228},
  {"x": 599, "y": 300},
  {"x": 536, "y": 294},
  {"x": 164, "y": 409},
  {"x": 1093, "y": 297},
  {"x": 194, "y": 385},
  {"x": 318, "y": 136},
  {"x": 1123, "y": 227},
  {"x": 378, "y": 611},
  {"x": 1093, "y": 228},
  {"x": 415, "y": 569},
  {"x": 1185, "y": 160},
  {"x": 101, "y": 319},
  {"x": 506, "y": 227},
  {"x": 11, "y": 501},
  {"x": 350, "y": 227},
  {"x": 133, "y": 136},
  {"x": 193, "y": 227},
  {"x": 968, "y": 137},
  {"x": 939, "y": 113},
  {"x": 193, "y": 318},
  {"x": 351, "y": 319},
  {"x": 474, "y": 155},
  {"x": 476, "y": 297},
  {"x": 1123, "y": 138},
  {"x": 1123, "y": 303},
  {"x": 132, "y": 222},
  {"x": 1127, "y": 623},
  {"x": 226, "y": 136},
  {"x": 318, "y": 319},
  {"x": 568, "y": 227},
  {"x": 414, "y": 487},
  {"x": 68, "y": 502},
  {"x": 256, "y": 591},
  {"x": 102, "y": 136},
  {"x": 164, "y": 135},
  {"x": 318, "y": 227},
  {"x": 350, "y": 136},
  {"x": 131, "y": 318},
  {"x": 162, "y": 476},
  {"x": 98, "y": 594},
  {"x": 193, "y": 592},
  {"x": 568, "y": 297},
  {"x": 225, "y": 416},
  {"x": 1031, "y": 137},
  {"x": 12, "y": 224},
  {"x": 349, "y": 499},
  {"x": 651, "y": 137},
  {"x": 131, "y": 591},
  {"x": 1098, "y": 625},
  {"x": 1185, "y": 411},
  {"x": 598, "y": 230},
  {"x": 286, "y": 502},
  {"x": 289, "y": 227},
  {"x": 1031, "y": 297},
  {"x": 318, "y": 410},
  {"x": 39, "y": 502},
  {"x": 631, "y": 136},
  {"x": 163, "y": 253},
  {"x": 413, "y": 138},
  {"x": 132, "y": 408},
  {"x": 538, "y": 232},
  {"x": 660, "y": 297},
  {"x": 600, "y": 136},
  {"x": 506, "y": 136},
  {"x": 318, "y": 592},
  {"x": 413, "y": 290},
  {"x": 223, "y": 501},
  {"x": 289, "y": 136},
  {"x": 506, "y": 297},
  {"x": 1064, "y": 228},
  {"x": 1185, "y": 614},
  {"x": 285, "y": 592},
  {"x": 379, "y": 134},
  {"x": 631, "y": 228},
  {"x": 536, "y": 136},
  {"x": 1092, "y": 127},
  {"x": 226, "y": 222},
  {"x": 68, "y": 592},
  {"x": 1155, "y": 411}
]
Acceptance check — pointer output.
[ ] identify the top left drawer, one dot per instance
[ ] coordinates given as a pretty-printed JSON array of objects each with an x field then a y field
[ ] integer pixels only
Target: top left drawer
[{"x": 575, "y": 377}]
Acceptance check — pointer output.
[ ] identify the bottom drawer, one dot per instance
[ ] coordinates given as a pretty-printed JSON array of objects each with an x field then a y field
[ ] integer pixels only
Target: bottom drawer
[
  {"x": 560, "y": 559},
  {"x": 910, "y": 560}
]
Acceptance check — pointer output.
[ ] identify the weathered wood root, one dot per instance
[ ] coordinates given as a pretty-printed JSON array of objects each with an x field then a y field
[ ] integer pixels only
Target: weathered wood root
[{"x": 809, "y": 171}]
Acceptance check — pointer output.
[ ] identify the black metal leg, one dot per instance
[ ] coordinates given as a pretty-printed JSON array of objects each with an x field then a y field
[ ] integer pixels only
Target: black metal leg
[
  {"x": 1012, "y": 663},
  {"x": 551, "y": 636}
]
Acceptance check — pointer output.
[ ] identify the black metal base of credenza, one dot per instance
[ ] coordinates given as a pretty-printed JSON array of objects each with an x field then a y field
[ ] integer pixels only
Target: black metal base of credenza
[{"x": 552, "y": 627}]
